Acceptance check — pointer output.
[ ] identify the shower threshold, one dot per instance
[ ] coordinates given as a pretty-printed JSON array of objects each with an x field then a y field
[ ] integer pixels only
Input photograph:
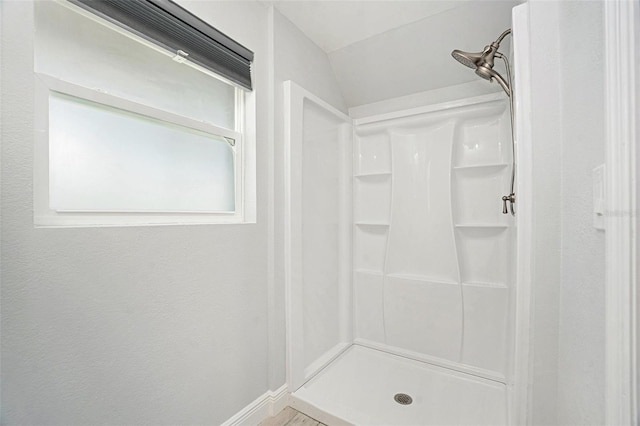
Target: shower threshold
[{"x": 360, "y": 388}]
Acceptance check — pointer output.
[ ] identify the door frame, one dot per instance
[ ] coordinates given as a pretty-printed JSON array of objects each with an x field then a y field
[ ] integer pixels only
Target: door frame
[{"x": 621, "y": 215}]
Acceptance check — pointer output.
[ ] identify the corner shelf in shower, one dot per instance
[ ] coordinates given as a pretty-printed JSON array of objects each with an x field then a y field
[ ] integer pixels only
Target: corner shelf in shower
[
  {"x": 372, "y": 199},
  {"x": 481, "y": 250},
  {"x": 422, "y": 278},
  {"x": 481, "y": 225},
  {"x": 484, "y": 284},
  {"x": 487, "y": 167},
  {"x": 380, "y": 175}
]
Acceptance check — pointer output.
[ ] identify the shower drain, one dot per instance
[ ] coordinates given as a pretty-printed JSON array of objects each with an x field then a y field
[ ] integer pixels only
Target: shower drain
[{"x": 403, "y": 399}]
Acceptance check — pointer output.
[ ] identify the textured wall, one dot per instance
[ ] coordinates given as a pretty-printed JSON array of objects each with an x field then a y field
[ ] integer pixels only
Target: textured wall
[
  {"x": 568, "y": 286},
  {"x": 139, "y": 325},
  {"x": 546, "y": 149},
  {"x": 296, "y": 58},
  {"x": 581, "y": 355}
]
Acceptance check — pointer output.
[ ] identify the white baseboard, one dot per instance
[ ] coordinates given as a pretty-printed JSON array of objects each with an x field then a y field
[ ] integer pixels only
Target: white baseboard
[
  {"x": 279, "y": 400},
  {"x": 268, "y": 404}
]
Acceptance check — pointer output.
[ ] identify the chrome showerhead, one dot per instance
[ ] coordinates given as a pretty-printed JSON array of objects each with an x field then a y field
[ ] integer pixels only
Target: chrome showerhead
[{"x": 482, "y": 62}]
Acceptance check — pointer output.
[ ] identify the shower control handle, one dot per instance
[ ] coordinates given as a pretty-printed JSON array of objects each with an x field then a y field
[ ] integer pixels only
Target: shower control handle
[{"x": 511, "y": 198}]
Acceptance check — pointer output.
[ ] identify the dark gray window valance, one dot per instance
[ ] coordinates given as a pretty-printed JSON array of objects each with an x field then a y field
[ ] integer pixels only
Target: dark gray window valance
[{"x": 165, "y": 23}]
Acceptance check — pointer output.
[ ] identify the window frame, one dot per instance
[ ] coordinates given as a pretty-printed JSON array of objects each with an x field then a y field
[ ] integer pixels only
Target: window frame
[{"x": 44, "y": 216}]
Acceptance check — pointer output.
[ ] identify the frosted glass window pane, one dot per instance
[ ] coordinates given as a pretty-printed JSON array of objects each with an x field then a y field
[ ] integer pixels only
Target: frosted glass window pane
[
  {"x": 109, "y": 160},
  {"x": 75, "y": 48}
]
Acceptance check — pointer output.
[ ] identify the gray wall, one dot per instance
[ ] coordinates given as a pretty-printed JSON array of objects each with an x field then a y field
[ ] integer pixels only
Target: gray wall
[
  {"x": 139, "y": 325},
  {"x": 147, "y": 325},
  {"x": 546, "y": 151},
  {"x": 581, "y": 354},
  {"x": 568, "y": 132},
  {"x": 185, "y": 324}
]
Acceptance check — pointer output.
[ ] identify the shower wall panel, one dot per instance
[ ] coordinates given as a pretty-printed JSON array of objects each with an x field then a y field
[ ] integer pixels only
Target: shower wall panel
[
  {"x": 433, "y": 253},
  {"x": 318, "y": 212},
  {"x": 421, "y": 204},
  {"x": 320, "y": 261}
]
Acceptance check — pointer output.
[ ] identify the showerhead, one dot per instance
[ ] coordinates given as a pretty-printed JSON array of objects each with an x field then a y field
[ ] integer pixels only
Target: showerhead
[
  {"x": 465, "y": 58},
  {"x": 482, "y": 62},
  {"x": 486, "y": 72}
]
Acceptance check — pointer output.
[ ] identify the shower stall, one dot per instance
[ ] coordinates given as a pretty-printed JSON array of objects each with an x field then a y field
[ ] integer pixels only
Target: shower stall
[{"x": 406, "y": 302}]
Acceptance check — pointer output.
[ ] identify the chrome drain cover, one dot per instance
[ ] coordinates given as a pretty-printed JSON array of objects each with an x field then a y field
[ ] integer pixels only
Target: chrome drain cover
[{"x": 403, "y": 399}]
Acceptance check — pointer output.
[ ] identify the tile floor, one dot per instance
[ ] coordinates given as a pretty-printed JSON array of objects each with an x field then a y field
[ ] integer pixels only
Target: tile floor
[{"x": 290, "y": 417}]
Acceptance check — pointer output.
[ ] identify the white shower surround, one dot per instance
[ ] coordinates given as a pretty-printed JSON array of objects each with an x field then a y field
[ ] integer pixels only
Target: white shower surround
[
  {"x": 472, "y": 318},
  {"x": 414, "y": 174},
  {"x": 433, "y": 254}
]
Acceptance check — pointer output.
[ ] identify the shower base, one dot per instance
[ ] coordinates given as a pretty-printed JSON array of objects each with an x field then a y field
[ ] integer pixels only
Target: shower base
[{"x": 359, "y": 387}]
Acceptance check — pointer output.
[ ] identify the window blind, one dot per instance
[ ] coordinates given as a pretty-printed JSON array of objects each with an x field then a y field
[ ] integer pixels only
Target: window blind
[{"x": 172, "y": 27}]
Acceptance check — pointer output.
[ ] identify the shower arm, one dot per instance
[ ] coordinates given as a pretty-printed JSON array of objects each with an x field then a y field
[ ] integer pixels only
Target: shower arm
[
  {"x": 503, "y": 35},
  {"x": 493, "y": 49},
  {"x": 511, "y": 198}
]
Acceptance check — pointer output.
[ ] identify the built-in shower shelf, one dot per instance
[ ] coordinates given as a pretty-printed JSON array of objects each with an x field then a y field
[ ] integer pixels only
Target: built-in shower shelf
[
  {"x": 481, "y": 225},
  {"x": 425, "y": 278},
  {"x": 360, "y": 223},
  {"x": 381, "y": 175},
  {"x": 488, "y": 167},
  {"x": 484, "y": 284}
]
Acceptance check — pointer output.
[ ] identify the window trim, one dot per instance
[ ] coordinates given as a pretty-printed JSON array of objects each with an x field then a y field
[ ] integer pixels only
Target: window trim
[
  {"x": 182, "y": 33},
  {"x": 148, "y": 43},
  {"x": 44, "y": 216}
]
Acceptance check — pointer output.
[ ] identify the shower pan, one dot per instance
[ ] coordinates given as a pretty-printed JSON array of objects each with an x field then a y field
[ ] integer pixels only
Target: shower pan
[{"x": 405, "y": 304}]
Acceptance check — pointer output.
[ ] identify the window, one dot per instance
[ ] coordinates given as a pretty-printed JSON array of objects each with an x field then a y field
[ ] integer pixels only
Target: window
[{"x": 128, "y": 136}]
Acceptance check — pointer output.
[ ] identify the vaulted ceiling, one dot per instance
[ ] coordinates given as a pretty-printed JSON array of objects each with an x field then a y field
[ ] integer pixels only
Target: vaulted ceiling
[
  {"x": 386, "y": 49},
  {"x": 333, "y": 25}
]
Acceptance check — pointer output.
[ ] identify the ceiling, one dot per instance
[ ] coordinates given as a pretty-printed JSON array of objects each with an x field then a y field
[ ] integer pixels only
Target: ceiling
[
  {"x": 387, "y": 49},
  {"x": 333, "y": 25}
]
